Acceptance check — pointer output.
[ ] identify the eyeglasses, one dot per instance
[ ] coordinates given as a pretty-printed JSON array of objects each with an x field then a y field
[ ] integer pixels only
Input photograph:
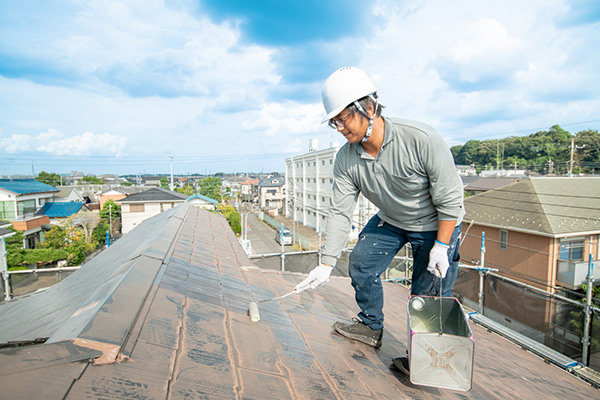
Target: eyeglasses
[{"x": 339, "y": 123}]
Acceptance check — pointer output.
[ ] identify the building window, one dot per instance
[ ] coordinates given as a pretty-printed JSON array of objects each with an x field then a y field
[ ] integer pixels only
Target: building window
[
  {"x": 323, "y": 162},
  {"x": 7, "y": 210},
  {"x": 503, "y": 240},
  {"x": 572, "y": 249},
  {"x": 25, "y": 207},
  {"x": 166, "y": 206},
  {"x": 136, "y": 208}
]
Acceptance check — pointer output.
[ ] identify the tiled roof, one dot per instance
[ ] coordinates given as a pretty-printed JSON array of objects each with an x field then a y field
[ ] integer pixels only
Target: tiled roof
[
  {"x": 60, "y": 209},
  {"x": 25, "y": 186},
  {"x": 154, "y": 194},
  {"x": 272, "y": 182},
  {"x": 5, "y": 232},
  {"x": 549, "y": 206},
  {"x": 162, "y": 313}
]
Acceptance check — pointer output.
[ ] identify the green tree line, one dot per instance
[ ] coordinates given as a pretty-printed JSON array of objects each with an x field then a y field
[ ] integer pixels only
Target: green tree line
[{"x": 544, "y": 152}]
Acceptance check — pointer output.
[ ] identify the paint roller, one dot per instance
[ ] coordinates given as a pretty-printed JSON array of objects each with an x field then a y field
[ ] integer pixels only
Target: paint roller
[{"x": 253, "y": 308}]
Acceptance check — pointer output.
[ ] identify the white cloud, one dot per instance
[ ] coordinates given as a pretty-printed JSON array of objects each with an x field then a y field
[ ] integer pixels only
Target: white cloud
[
  {"x": 285, "y": 118},
  {"x": 473, "y": 68},
  {"x": 53, "y": 142}
]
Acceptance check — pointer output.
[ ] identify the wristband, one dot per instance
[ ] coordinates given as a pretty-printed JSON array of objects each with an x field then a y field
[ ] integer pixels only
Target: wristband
[{"x": 445, "y": 244}]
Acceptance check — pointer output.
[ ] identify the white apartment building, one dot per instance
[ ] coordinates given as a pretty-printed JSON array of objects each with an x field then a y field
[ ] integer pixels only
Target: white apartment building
[{"x": 309, "y": 182}]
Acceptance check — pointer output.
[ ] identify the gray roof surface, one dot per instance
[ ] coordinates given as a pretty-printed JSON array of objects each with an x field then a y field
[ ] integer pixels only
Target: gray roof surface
[
  {"x": 154, "y": 194},
  {"x": 6, "y": 232},
  {"x": 484, "y": 184},
  {"x": 163, "y": 314},
  {"x": 550, "y": 206}
]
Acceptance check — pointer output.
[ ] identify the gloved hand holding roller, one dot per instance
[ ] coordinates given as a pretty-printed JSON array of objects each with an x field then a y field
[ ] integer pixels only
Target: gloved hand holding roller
[{"x": 317, "y": 277}]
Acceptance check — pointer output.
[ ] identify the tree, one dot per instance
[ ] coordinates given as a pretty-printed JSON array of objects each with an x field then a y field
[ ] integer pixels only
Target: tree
[
  {"x": 68, "y": 238},
  {"x": 468, "y": 153},
  {"x": 187, "y": 189},
  {"x": 164, "y": 183},
  {"x": 232, "y": 216},
  {"x": 210, "y": 187},
  {"x": 126, "y": 183},
  {"x": 86, "y": 222},
  {"x": 14, "y": 248},
  {"x": 48, "y": 178},
  {"x": 35, "y": 256},
  {"x": 111, "y": 215},
  {"x": 92, "y": 180}
]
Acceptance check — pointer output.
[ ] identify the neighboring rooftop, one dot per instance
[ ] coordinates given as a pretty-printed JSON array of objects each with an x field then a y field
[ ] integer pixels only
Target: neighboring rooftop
[
  {"x": 485, "y": 184},
  {"x": 154, "y": 194},
  {"x": 60, "y": 209},
  {"x": 550, "y": 206},
  {"x": 162, "y": 313},
  {"x": 25, "y": 186},
  {"x": 204, "y": 198}
]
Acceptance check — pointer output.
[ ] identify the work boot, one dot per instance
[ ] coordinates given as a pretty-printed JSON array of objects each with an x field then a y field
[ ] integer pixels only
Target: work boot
[
  {"x": 359, "y": 331},
  {"x": 402, "y": 364}
]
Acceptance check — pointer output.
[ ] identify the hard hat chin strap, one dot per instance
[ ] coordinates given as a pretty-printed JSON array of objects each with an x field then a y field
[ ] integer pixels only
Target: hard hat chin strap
[{"x": 363, "y": 112}]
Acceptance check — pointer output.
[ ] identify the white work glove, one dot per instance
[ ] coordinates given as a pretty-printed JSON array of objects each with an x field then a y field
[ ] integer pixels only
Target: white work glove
[
  {"x": 317, "y": 277},
  {"x": 438, "y": 260}
]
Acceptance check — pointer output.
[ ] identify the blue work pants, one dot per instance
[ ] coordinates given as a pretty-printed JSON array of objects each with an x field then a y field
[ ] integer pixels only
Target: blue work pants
[{"x": 377, "y": 245}]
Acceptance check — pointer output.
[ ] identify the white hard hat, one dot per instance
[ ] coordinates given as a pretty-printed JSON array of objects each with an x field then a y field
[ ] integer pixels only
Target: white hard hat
[{"x": 342, "y": 88}]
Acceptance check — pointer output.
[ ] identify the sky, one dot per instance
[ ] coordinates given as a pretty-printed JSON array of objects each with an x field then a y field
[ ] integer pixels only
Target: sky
[{"x": 117, "y": 87}]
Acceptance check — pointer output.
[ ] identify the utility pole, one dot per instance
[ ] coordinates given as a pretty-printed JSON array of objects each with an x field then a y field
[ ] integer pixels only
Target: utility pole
[
  {"x": 171, "y": 160},
  {"x": 110, "y": 218},
  {"x": 588, "y": 309},
  {"x": 571, "y": 162}
]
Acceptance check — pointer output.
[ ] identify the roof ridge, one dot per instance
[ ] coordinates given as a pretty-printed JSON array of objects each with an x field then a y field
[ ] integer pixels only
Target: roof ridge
[{"x": 543, "y": 207}]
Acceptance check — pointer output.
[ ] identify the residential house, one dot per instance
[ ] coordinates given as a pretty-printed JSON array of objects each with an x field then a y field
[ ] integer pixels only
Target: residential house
[
  {"x": 163, "y": 313},
  {"x": 120, "y": 192},
  {"x": 69, "y": 193},
  {"x": 153, "y": 180},
  {"x": 59, "y": 211},
  {"x": 138, "y": 207},
  {"x": 232, "y": 185},
  {"x": 539, "y": 231},
  {"x": 309, "y": 183},
  {"x": 20, "y": 199},
  {"x": 272, "y": 194},
  {"x": 466, "y": 170},
  {"x": 481, "y": 185},
  {"x": 203, "y": 202},
  {"x": 249, "y": 189}
]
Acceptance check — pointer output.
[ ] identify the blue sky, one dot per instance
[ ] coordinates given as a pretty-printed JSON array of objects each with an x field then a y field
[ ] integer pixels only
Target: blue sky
[{"x": 232, "y": 86}]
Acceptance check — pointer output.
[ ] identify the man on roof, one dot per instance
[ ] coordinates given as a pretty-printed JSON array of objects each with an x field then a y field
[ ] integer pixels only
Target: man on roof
[{"x": 406, "y": 169}]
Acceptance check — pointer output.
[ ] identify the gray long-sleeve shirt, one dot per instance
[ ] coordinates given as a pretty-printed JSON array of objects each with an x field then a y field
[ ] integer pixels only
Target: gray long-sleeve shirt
[{"x": 412, "y": 180}]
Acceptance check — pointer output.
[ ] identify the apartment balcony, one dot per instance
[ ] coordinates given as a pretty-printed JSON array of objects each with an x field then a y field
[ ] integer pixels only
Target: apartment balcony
[
  {"x": 25, "y": 224},
  {"x": 572, "y": 274},
  {"x": 28, "y": 219}
]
